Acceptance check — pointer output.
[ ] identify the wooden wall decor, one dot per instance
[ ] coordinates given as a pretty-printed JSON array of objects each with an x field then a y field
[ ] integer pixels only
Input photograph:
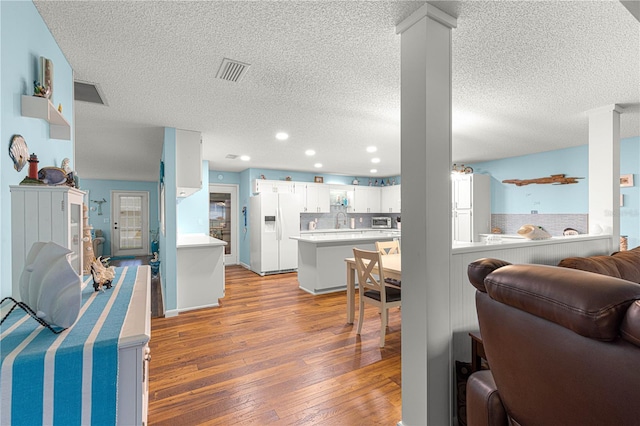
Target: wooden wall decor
[{"x": 553, "y": 179}]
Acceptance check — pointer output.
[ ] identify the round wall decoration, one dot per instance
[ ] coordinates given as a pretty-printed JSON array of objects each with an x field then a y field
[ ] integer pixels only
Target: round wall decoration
[{"x": 18, "y": 152}]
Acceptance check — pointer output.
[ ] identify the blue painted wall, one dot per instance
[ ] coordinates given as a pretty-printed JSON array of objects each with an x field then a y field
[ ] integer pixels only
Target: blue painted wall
[
  {"x": 24, "y": 37},
  {"x": 168, "y": 250},
  {"x": 309, "y": 177},
  {"x": 99, "y": 189},
  {"x": 546, "y": 199},
  {"x": 562, "y": 199},
  {"x": 229, "y": 178},
  {"x": 630, "y": 210},
  {"x": 243, "y": 236},
  {"x": 193, "y": 211}
]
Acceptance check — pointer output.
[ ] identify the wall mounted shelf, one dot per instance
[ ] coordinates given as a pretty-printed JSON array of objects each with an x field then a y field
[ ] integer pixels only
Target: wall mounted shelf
[{"x": 37, "y": 107}]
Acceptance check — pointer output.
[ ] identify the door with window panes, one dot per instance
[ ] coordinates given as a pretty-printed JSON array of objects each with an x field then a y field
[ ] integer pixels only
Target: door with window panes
[
  {"x": 129, "y": 223},
  {"x": 223, "y": 214}
]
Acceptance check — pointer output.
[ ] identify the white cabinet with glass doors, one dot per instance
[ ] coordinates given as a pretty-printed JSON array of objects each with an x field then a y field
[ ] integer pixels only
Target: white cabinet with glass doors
[
  {"x": 341, "y": 197},
  {"x": 44, "y": 213}
]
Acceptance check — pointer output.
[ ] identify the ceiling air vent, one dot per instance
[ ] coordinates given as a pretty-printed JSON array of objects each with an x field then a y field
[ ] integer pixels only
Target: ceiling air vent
[
  {"x": 231, "y": 70},
  {"x": 88, "y": 92},
  {"x": 231, "y": 156}
]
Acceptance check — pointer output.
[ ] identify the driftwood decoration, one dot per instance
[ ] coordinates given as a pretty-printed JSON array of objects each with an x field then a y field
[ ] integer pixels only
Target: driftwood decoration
[{"x": 553, "y": 179}]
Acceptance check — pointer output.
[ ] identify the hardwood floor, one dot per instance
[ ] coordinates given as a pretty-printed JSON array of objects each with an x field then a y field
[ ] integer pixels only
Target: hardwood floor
[{"x": 273, "y": 354}]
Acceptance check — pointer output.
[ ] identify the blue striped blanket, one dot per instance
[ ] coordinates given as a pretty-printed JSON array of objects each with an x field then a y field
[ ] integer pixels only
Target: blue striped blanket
[{"x": 68, "y": 378}]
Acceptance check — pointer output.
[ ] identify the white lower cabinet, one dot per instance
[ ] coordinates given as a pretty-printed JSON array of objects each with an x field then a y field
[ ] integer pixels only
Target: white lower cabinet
[{"x": 134, "y": 354}]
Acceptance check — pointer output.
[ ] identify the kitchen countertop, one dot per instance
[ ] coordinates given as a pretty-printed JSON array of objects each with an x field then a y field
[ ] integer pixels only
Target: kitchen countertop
[
  {"x": 339, "y": 230},
  {"x": 351, "y": 235},
  {"x": 507, "y": 243},
  {"x": 198, "y": 240}
]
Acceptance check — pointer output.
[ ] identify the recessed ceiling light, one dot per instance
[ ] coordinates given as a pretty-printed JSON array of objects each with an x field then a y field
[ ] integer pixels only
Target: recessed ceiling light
[
  {"x": 310, "y": 152},
  {"x": 317, "y": 165},
  {"x": 245, "y": 158},
  {"x": 373, "y": 171},
  {"x": 375, "y": 160},
  {"x": 282, "y": 136},
  {"x": 371, "y": 149}
]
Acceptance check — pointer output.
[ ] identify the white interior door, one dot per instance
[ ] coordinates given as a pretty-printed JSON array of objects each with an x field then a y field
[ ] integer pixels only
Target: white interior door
[
  {"x": 223, "y": 219},
  {"x": 130, "y": 223}
]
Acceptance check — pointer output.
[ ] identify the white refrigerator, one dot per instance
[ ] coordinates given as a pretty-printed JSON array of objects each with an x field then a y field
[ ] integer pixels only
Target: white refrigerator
[{"x": 274, "y": 217}]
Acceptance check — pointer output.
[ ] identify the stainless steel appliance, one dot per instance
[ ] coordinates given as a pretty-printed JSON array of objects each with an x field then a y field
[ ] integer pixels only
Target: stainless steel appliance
[{"x": 381, "y": 222}]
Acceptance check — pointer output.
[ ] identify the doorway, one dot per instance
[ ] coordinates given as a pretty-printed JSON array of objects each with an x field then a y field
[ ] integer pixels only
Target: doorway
[
  {"x": 130, "y": 223},
  {"x": 223, "y": 218}
]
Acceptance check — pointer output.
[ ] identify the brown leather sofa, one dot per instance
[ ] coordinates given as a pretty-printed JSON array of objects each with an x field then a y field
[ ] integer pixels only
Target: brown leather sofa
[
  {"x": 563, "y": 347},
  {"x": 622, "y": 264}
]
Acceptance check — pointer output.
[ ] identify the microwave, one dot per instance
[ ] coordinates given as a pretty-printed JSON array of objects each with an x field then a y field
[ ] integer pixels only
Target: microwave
[{"x": 381, "y": 222}]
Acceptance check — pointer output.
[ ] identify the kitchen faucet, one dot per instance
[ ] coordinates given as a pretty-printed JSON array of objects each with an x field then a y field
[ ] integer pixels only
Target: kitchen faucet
[{"x": 338, "y": 219}]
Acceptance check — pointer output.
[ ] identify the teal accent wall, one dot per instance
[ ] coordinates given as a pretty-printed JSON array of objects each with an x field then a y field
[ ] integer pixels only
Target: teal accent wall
[
  {"x": 168, "y": 250},
  {"x": 193, "y": 211},
  {"x": 309, "y": 177},
  {"x": 562, "y": 199},
  {"x": 228, "y": 178},
  {"x": 24, "y": 37},
  {"x": 630, "y": 210},
  {"x": 100, "y": 188},
  {"x": 243, "y": 236},
  {"x": 546, "y": 199}
]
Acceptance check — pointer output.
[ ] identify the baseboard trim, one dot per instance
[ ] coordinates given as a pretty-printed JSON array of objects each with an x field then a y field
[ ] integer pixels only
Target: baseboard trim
[{"x": 175, "y": 312}]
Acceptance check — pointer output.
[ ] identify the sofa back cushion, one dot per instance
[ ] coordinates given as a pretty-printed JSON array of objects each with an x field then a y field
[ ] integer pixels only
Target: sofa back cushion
[
  {"x": 591, "y": 305},
  {"x": 622, "y": 264},
  {"x": 603, "y": 265}
]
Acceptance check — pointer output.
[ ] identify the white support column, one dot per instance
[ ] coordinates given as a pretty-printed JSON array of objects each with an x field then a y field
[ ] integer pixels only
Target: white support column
[
  {"x": 604, "y": 172},
  {"x": 426, "y": 203}
]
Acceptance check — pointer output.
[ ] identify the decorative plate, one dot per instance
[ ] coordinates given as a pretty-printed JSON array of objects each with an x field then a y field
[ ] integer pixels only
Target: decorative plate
[{"x": 18, "y": 152}]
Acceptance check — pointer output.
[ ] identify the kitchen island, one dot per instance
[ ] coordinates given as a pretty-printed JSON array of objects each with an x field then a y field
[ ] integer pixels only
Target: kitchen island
[
  {"x": 200, "y": 272},
  {"x": 321, "y": 255}
]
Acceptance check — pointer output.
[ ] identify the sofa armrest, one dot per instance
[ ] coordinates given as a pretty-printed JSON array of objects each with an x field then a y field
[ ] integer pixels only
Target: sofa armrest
[
  {"x": 484, "y": 406},
  {"x": 478, "y": 270}
]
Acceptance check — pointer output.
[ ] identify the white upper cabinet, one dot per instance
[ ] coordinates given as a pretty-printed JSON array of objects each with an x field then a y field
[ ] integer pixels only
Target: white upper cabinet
[
  {"x": 471, "y": 206},
  {"x": 317, "y": 200},
  {"x": 366, "y": 199},
  {"x": 390, "y": 199},
  {"x": 188, "y": 162},
  {"x": 273, "y": 186},
  {"x": 321, "y": 197},
  {"x": 462, "y": 191}
]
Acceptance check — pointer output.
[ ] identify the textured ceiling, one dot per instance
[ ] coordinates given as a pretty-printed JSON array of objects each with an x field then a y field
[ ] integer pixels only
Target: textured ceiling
[{"x": 328, "y": 73}]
